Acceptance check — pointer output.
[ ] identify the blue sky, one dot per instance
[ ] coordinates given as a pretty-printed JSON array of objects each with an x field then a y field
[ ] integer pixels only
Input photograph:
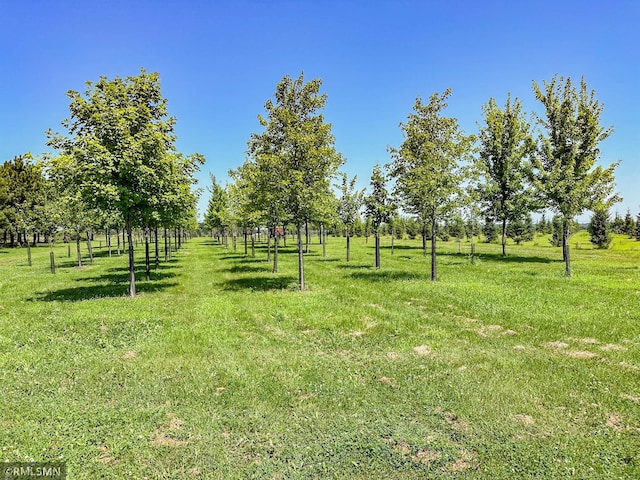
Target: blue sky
[{"x": 219, "y": 61}]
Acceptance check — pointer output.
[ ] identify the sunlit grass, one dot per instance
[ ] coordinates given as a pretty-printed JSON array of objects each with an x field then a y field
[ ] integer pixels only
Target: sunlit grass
[{"x": 221, "y": 369}]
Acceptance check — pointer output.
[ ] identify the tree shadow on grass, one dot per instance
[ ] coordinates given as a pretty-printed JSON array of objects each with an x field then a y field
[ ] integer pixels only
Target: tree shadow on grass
[
  {"x": 261, "y": 284},
  {"x": 94, "y": 292},
  {"x": 386, "y": 276},
  {"x": 250, "y": 268},
  {"x": 510, "y": 258},
  {"x": 124, "y": 277}
]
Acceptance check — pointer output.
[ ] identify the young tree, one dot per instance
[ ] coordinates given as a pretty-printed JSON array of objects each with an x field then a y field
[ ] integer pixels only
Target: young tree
[
  {"x": 565, "y": 170},
  {"x": 378, "y": 206},
  {"x": 505, "y": 144},
  {"x": 598, "y": 228},
  {"x": 350, "y": 203},
  {"x": 521, "y": 229},
  {"x": 426, "y": 166},
  {"x": 629, "y": 225},
  {"x": 637, "y": 232},
  {"x": 617, "y": 226},
  {"x": 119, "y": 135},
  {"x": 300, "y": 143},
  {"x": 216, "y": 216},
  {"x": 23, "y": 192},
  {"x": 489, "y": 230}
]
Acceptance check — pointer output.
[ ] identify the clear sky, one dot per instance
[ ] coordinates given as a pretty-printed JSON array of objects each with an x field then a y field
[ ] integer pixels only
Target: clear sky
[{"x": 219, "y": 61}]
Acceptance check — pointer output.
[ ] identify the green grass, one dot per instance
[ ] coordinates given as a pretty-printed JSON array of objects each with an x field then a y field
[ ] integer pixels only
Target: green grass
[{"x": 221, "y": 369}]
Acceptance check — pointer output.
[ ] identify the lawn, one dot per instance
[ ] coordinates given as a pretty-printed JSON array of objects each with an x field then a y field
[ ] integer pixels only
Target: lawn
[{"x": 221, "y": 369}]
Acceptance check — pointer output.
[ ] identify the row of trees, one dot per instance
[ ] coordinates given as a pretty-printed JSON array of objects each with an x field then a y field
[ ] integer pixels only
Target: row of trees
[
  {"x": 117, "y": 168},
  {"x": 438, "y": 173}
]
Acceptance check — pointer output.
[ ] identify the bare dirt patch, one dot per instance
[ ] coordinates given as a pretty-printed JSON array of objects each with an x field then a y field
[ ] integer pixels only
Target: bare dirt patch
[
  {"x": 129, "y": 354},
  {"x": 355, "y": 334},
  {"x": 612, "y": 347},
  {"x": 557, "y": 345},
  {"x": 519, "y": 347},
  {"x": 163, "y": 435},
  {"x": 105, "y": 455},
  {"x": 589, "y": 341},
  {"x": 393, "y": 355},
  {"x": 422, "y": 350},
  {"x": 388, "y": 380},
  {"x": 633, "y": 398},
  {"x": 426, "y": 457},
  {"x": 525, "y": 420},
  {"x": 581, "y": 354}
]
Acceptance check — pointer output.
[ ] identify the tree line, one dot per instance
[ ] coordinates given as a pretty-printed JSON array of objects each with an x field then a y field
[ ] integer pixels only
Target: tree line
[
  {"x": 436, "y": 178},
  {"x": 117, "y": 169}
]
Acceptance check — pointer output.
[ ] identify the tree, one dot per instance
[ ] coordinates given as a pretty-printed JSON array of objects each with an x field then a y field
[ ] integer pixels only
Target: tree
[
  {"x": 378, "y": 207},
  {"x": 489, "y": 230},
  {"x": 617, "y": 226},
  {"x": 426, "y": 166},
  {"x": 23, "y": 192},
  {"x": 505, "y": 144},
  {"x": 565, "y": 170},
  {"x": 629, "y": 225},
  {"x": 637, "y": 232},
  {"x": 119, "y": 136},
  {"x": 598, "y": 228},
  {"x": 521, "y": 229},
  {"x": 300, "y": 146},
  {"x": 349, "y": 205},
  {"x": 216, "y": 215}
]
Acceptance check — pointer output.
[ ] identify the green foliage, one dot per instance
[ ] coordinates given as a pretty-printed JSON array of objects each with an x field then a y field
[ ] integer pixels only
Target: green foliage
[
  {"x": 490, "y": 230},
  {"x": 599, "y": 230},
  {"x": 617, "y": 226},
  {"x": 637, "y": 232},
  {"x": 21, "y": 192},
  {"x": 379, "y": 206},
  {"x": 349, "y": 203},
  {"x": 426, "y": 167},
  {"x": 217, "y": 215},
  {"x": 521, "y": 229},
  {"x": 629, "y": 226},
  {"x": 505, "y": 144},
  {"x": 565, "y": 170}
]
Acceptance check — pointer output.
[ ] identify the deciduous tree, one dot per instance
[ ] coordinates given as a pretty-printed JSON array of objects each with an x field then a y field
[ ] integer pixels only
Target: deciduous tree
[
  {"x": 426, "y": 167},
  {"x": 565, "y": 169}
]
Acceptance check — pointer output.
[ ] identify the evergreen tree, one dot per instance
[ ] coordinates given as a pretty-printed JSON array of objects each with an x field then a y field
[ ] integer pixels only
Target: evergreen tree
[
  {"x": 521, "y": 229},
  {"x": 490, "y": 230},
  {"x": 598, "y": 228},
  {"x": 629, "y": 225},
  {"x": 617, "y": 226}
]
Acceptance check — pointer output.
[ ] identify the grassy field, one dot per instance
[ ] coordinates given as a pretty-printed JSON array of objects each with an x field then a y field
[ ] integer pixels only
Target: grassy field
[{"x": 220, "y": 369}]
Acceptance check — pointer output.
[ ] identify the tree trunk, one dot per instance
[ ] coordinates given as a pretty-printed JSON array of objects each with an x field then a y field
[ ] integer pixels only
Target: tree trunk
[
  {"x": 118, "y": 238},
  {"x": 393, "y": 235},
  {"x": 565, "y": 247},
  {"x": 269, "y": 245},
  {"x": 108, "y": 234},
  {"x": 300, "y": 259},
  {"x": 89, "y": 247},
  {"x": 28, "y": 248},
  {"x": 78, "y": 248},
  {"x": 155, "y": 234},
  {"x": 324, "y": 240},
  {"x": 166, "y": 246},
  {"x": 253, "y": 246},
  {"x": 504, "y": 237},
  {"x": 377, "y": 253},
  {"x": 147, "y": 263},
  {"x": 275, "y": 253},
  {"x": 307, "y": 236},
  {"x": 348, "y": 246},
  {"x": 52, "y": 257},
  {"x": 12, "y": 239},
  {"x": 433, "y": 251},
  {"x": 424, "y": 241},
  {"x": 473, "y": 253},
  {"x": 246, "y": 246},
  {"x": 132, "y": 272}
]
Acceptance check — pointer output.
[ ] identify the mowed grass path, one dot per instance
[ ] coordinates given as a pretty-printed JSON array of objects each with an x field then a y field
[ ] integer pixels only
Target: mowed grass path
[{"x": 221, "y": 369}]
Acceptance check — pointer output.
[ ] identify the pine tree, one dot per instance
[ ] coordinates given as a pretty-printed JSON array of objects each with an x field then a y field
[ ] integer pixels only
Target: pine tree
[
  {"x": 599, "y": 228},
  {"x": 629, "y": 225}
]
